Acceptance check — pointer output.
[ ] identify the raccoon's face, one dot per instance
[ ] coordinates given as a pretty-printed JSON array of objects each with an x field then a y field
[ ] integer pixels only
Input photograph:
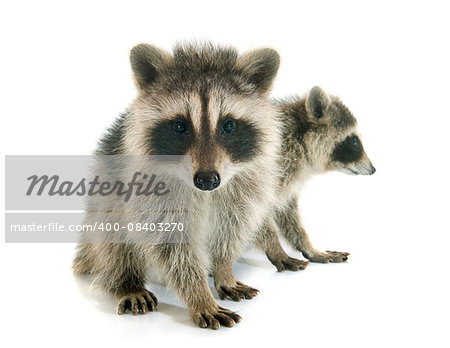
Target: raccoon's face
[
  {"x": 207, "y": 103},
  {"x": 341, "y": 145}
]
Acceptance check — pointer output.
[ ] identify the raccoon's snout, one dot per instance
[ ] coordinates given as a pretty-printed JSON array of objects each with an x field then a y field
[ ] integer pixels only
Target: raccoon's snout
[
  {"x": 207, "y": 181},
  {"x": 359, "y": 168}
]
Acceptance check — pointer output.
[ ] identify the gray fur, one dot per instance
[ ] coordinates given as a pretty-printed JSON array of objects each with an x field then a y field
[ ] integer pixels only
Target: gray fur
[{"x": 312, "y": 127}]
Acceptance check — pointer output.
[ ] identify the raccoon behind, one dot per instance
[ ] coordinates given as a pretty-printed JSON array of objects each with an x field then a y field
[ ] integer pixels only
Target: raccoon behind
[
  {"x": 212, "y": 104},
  {"x": 319, "y": 134}
]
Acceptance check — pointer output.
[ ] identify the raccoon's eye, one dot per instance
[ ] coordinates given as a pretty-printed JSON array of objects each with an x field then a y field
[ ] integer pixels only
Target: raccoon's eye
[
  {"x": 180, "y": 127},
  {"x": 355, "y": 141},
  {"x": 228, "y": 126}
]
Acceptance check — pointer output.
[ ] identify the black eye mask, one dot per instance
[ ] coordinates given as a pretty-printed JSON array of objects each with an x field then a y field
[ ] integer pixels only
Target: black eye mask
[
  {"x": 350, "y": 150},
  {"x": 239, "y": 138},
  {"x": 171, "y": 137}
]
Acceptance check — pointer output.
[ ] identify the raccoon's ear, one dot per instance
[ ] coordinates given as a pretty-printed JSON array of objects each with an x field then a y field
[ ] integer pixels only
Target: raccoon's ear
[
  {"x": 260, "y": 67},
  {"x": 146, "y": 62},
  {"x": 317, "y": 101}
]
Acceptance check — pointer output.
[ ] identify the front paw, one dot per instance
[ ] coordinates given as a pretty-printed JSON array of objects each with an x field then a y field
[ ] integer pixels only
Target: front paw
[
  {"x": 215, "y": 317},
  {"x": 236, "y": 292},
  {"x": 328, "y": 256},
  {"x": 287, "y": 263},
  {"x": 138, "y": 302}
]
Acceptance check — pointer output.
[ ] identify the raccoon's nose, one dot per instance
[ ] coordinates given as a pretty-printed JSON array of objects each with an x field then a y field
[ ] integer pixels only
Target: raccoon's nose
[
  {"x": 207, "y": 181},
  {"x": 372, "y": 170}
]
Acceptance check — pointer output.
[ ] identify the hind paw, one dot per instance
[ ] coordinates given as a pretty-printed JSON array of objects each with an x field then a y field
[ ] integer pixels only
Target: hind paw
[
  {"x": 288, "y": 263},
  {"x": 237, "y": 292},
  {"x": 215, "y": 317},
  {"x": 328, "y": 256}
]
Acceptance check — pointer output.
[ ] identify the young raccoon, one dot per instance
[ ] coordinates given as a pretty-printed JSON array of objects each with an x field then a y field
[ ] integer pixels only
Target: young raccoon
[
  {"x": 212, "y": 104},
  {"x": 319, "y": 135}
]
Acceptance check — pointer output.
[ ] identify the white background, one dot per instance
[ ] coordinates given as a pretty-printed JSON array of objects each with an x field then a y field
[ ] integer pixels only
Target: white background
[{"x": 64, "y": 77}]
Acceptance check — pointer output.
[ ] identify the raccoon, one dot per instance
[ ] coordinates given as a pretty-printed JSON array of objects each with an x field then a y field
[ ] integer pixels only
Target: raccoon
[
  {"x": 319, "y": 135},
  {"x": 210, "y": 103}
]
